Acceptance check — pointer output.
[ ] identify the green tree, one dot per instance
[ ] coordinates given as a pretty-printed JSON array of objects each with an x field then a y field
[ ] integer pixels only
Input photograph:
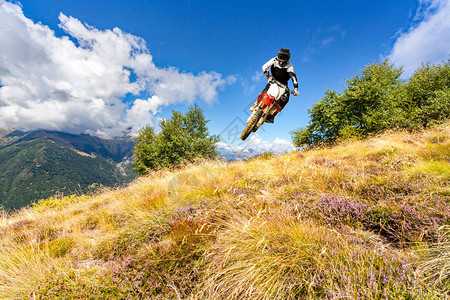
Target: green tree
[
  {"x": 367, "y": 101},
  {"x": 365, "y": 106},
  {"x": 377, "y": 100},
  {"x": 182, "y": 138},
  {"x": 427, "y": 96},
  {"x": 146, "y": 150},
  {"x": 325, "y": 121}
]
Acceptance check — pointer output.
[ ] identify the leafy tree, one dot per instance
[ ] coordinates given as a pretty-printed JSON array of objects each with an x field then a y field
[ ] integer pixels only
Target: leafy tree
[
  {"x": 366, "y": 102},
  {"x": 146, "y": 151},
  {"x": 325, "y": 121},
  {"x": 182, "y": 138},
  {"x": 377, "y": 100},
  {"x": 427, "y": 96}
]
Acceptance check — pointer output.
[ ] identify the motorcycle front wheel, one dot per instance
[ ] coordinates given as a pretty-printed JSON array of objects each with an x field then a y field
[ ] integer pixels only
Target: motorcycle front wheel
[{"x": 251, "y": 123}]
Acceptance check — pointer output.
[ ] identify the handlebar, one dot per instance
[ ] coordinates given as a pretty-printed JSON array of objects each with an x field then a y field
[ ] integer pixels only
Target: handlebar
[{"x": 273, "y": 80}]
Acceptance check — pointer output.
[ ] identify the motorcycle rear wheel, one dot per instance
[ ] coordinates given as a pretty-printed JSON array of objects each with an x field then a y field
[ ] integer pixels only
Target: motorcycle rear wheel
[{"x": 252, "y": 123}]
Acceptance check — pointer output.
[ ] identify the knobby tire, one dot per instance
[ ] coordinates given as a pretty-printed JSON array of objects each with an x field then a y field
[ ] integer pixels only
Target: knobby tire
[{"x": 249, "y": 128}]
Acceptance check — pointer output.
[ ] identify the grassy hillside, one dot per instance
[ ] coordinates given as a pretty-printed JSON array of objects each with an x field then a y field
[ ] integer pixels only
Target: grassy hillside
[{"x": 363, "y": 220}]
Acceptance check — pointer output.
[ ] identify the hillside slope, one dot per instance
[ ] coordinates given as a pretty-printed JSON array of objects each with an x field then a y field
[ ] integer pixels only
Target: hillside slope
[
  {"x": 40, "y": 164},
  {"x": 362, "y": 220},
  {"x": 115, "y": 149}
]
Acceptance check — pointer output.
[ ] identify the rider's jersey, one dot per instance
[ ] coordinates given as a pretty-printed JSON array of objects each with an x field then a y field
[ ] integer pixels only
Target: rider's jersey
[{"x": 282, "y": 74}]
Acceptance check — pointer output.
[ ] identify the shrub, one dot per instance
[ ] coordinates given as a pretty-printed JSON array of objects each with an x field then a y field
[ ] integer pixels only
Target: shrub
[
  {"x": 339, "y": 211},
  {"x": 57, "y": 202},
  {"x": 407, "y": 223}
]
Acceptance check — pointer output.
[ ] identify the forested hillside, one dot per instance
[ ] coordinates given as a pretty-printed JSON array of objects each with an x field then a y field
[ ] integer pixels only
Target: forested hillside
[{"x": 40, "y": 164}]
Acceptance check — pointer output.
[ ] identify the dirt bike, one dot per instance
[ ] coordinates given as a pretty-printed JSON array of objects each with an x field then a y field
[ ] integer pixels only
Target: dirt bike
[{"x": 268, "y": 103}]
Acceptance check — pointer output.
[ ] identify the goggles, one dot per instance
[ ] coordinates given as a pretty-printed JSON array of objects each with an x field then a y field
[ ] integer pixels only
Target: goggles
[{"x": 283, "y": 57}]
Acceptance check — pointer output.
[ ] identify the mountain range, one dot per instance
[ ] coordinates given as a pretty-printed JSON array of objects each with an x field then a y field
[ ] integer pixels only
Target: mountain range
[{"x": 40, "y": 164}]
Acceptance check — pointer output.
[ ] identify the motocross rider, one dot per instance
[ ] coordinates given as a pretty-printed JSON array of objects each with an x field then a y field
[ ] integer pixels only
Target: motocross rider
[{"x": 281, "y": 70}]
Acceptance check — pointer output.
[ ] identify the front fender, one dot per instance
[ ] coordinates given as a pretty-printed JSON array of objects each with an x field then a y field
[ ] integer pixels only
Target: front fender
[{"x": 267, "y": 99}]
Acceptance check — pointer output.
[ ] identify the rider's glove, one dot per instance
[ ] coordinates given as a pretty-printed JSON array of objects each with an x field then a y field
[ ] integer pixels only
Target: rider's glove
[
  {"x": 266, "y": 73},
  {"x": 296, "y": 93}
]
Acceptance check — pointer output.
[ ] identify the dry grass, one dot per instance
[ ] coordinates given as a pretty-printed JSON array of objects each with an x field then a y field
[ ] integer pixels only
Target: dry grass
[
  {"x": 436, "y": 261},
  {"x": 325, "y": 223}
]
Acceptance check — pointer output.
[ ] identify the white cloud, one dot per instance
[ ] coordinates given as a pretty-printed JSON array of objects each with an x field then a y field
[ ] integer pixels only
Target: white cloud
[
  {"x": 254, "y": 147},
  {"x": 428, "y": 40},
  {"x": 51, "y": 82},
  {"x": 278, "y": 146}
]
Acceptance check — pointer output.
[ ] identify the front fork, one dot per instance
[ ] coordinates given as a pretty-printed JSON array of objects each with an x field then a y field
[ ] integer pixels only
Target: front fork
[
  {"x": 253, "y": 109},
  {"x": 252, "y": 114},
  {"x": 272, "y": 109}
]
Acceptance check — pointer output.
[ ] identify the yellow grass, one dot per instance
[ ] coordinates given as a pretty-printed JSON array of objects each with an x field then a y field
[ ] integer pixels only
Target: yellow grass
[{"x": 258, "y": 245}]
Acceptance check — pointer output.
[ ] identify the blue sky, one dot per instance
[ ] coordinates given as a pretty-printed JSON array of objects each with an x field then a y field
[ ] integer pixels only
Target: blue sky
[{"x": 198, "y": 44}]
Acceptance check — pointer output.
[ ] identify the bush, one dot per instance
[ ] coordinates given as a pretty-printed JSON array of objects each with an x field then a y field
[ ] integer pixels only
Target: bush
[{"x": 407, "y": 224}]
